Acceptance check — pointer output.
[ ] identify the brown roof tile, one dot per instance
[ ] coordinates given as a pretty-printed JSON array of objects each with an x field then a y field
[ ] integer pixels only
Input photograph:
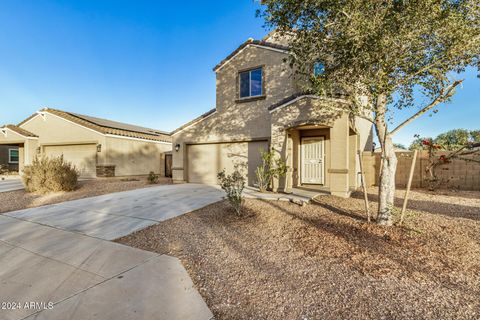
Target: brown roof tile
[
  {"x": 109, "y": 127},
  {"x": 20, "y": 131}
]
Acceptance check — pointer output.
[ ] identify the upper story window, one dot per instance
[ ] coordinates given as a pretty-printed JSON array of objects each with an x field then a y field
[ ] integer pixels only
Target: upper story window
[
  {"x": 318, "y": 69},
  {"x": 251, "y": 83},
  {"x": 12, "y": 155}
]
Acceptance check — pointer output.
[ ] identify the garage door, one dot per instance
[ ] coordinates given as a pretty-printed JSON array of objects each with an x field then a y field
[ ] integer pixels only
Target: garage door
[
  {"x": 82, "y": 156},
  {"x": 205, "y": 161}
]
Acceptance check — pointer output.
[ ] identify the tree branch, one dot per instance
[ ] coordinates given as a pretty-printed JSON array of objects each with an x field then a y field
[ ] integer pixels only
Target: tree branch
[
  {"x": 432, "y": 64},
  {"x": 444, "y": 95}
]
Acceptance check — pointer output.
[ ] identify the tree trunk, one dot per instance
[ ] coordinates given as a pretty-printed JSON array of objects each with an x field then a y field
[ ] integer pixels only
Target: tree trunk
[
  {"x": 386, "y": 190},
  {"x": 387, "y": 184}
]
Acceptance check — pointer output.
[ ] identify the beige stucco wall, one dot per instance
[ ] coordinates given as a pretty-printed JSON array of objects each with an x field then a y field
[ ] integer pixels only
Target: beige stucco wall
[
  {"x": 235, "y": 120},
  {"x": 130, "y": 156},
  {"x": 136, "y": 157},
  {"x": 54, "y": 130},
  {"x": 308, "y": 112}
]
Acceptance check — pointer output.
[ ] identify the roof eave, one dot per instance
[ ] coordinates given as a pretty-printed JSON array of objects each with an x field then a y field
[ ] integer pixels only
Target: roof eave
[{"x": 257, "y": 43}]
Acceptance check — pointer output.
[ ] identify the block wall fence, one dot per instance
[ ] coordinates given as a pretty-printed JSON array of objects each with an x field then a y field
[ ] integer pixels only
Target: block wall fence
[{"x": 458, "y": 174}]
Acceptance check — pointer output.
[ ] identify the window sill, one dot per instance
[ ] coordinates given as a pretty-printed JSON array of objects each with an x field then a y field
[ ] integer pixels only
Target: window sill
[{"x": 249, "y": 99}]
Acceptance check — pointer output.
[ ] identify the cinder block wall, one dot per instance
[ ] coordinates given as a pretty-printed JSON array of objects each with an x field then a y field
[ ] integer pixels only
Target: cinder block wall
[{"x": 460, "y": 174}]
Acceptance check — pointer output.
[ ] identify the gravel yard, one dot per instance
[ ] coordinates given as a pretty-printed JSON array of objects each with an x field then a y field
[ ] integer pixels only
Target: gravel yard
[
  {"x": 17, "y": 200},
  {"x": 322, "y": 261}
]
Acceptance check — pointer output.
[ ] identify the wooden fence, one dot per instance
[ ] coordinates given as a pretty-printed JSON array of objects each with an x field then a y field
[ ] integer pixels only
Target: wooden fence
[{"x": 459, "y": 174}]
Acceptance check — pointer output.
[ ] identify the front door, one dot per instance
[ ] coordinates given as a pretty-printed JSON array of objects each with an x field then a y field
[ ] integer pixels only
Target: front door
[{"x": 312, "y": 150}]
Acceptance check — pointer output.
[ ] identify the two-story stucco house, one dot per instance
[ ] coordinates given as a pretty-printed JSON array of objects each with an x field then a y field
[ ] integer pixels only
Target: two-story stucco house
[{"x": 259, "y": 106}]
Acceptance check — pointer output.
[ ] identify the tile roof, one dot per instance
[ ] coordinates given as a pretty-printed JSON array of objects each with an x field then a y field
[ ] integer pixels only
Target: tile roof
[
  {"x": 109, "y": 127},
  {"x": 250, "y": 41},
  {"x": 19, "y": 130}
]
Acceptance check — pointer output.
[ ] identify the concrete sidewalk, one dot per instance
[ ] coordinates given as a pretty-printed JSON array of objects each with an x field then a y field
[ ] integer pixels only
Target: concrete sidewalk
[{"x": 88, "y": 278}]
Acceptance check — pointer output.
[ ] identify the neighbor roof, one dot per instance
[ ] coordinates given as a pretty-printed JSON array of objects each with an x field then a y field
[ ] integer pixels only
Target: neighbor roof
[
  {"x": 108, "y": 126},
  {"x": 19, "y": 130},
  {"x": 260, "y": 43}
]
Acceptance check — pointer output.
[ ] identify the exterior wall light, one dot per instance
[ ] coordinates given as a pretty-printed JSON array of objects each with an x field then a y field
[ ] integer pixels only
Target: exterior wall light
[
  {"x": 177, "y": 147},
  {"x": 99, "y": 148}
]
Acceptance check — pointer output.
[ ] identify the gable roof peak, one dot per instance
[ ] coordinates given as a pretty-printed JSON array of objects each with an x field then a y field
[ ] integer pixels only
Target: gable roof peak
[
  {"x": 250, "y": 41},
  {"x": 105, "y": 126}
]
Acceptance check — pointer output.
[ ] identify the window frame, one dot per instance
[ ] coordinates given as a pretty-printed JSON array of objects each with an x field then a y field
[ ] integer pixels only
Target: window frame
[
  {"x": 262, "y": 84},
  {"x": 10, "y": 156}
]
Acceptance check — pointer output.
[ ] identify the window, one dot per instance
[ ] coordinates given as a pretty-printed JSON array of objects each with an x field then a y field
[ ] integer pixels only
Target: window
[
  {"x": 12, "y": 155},
  {"x": 251, "y": 83},
  {"x": 318, "y": 69}
]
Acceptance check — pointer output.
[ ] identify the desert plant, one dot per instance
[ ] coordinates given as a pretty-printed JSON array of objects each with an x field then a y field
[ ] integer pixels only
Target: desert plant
[
  {"x": 46, "y": 175},
  {"x": 152, "y": 178},
  {"x": 269, "y": 168},
  {"x": 233, "y": 186}
]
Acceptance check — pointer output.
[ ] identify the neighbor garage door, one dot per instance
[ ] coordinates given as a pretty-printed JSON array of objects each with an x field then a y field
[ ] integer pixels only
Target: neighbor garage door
[
  {"x": 205, "y": 161},
  {"x": 82, "y": 156}
]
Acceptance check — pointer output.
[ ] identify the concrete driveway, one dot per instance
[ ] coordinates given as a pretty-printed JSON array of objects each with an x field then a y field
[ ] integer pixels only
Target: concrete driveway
[
  {"x": 11, "y": 184},
  {"x": 55, "y": 263},
  {"x": 118, "y": 214},
  {"x": 47, "y": 273}
]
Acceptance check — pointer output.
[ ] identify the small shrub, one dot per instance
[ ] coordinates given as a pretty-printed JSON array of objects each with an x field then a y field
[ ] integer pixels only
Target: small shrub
[
  {"x": 46, "y": 175},
  {"x": 233, "y": 186},
  {"x": 269, "y": 169},
  {"x": 152, "y": 178}
]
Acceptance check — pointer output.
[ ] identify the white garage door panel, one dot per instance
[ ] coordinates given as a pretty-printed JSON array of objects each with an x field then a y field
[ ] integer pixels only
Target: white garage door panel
[
  {"x": 205, "y": 161},
  {"x": 82, "y": 156}
]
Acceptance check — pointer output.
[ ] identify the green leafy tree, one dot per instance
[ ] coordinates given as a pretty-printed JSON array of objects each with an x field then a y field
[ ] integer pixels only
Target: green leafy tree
[
  {"x": 377, "y": 54},
  {"x": 399, "y": 146},
  {"x": 475, "y": 136},
  {"x": 453, "y": 139},
  {"x": 450, "y": 140}
]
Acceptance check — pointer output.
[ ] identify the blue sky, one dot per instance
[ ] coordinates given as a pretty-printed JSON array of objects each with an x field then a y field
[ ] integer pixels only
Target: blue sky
[{"x": 144, "y": 62}]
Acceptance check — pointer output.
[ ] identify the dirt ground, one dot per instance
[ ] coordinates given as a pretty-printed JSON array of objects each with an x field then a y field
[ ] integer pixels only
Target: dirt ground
[
  {"x": 323, "y": 261},
  {"x": 19, "y": 199}
]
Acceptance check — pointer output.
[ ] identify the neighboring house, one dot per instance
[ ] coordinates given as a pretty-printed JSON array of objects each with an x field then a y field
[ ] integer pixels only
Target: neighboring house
[
  {"x": 9, "y": 157},
  {"x": 97, "y": 147},
  {"x": 258, "y": 106}
]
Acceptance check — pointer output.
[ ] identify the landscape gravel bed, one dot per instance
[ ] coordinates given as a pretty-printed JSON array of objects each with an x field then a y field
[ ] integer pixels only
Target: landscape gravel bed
[
  {"x": 19, "y": 199},
  {"x": 323, "y": 261}
]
